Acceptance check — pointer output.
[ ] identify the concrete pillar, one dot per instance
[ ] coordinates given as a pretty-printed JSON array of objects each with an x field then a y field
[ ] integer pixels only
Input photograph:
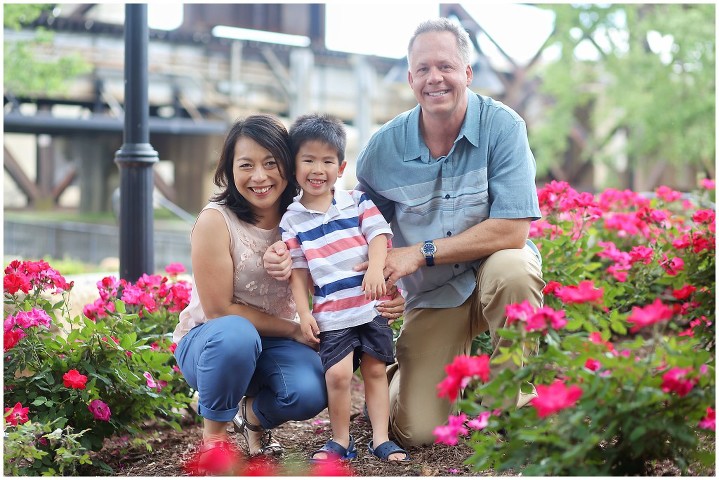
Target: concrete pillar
[
  {"x": 195, "y": 158},
  {"x": 302, "y": 62},
  {"x": 364, "y": 73},
  {"x": 95, "y": 159}
]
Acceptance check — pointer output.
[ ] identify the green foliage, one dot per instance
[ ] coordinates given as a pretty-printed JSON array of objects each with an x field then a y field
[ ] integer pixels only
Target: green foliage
[
  {"x": 17, "y": 14},
  {"x": 27, "y": 73},
  {"x": 649, "y": 76},
  {"x": 638, "y": 343},
  {"x": 122, "y": 356},
  {"x": 34, "y": 448}
]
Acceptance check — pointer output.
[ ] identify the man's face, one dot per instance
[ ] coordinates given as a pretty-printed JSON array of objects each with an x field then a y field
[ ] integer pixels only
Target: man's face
[{"x": 437, "y": 74}]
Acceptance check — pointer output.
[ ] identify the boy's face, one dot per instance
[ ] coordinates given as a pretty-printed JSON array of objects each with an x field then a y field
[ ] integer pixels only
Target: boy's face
[{"x": 317, "y": 168}]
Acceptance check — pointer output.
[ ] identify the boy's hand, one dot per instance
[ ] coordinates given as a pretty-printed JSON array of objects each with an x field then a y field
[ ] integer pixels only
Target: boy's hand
[
  {"x": 373, "y": 284},
  {"x": 277, "y": 261},
  {"x": 309, "y": 327}
]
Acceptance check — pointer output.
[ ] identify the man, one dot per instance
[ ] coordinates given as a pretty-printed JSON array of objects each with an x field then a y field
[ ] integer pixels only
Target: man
[{"x": 455, "y": 177}]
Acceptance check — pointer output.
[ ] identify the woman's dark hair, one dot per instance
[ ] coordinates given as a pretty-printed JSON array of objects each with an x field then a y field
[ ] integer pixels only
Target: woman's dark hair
[{"x": 271, "y": 134}]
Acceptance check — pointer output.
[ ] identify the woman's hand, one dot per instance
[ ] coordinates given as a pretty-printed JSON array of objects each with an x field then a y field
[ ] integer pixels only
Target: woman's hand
[
  {"x": 299, "y": 337},
  {"x": 277, "y": 261},
  {"x": 394, "y": 308}
]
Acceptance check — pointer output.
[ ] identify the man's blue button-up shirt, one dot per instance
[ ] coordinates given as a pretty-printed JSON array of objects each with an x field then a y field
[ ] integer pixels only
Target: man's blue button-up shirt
[{"x": 488, "y": 173}]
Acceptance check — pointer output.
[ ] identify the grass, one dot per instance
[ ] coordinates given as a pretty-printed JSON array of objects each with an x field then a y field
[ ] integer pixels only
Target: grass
[{"x": 66, "y": 266}]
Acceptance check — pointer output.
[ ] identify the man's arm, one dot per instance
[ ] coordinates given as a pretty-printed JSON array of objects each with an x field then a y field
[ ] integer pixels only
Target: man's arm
[{"x": 477, "y": 242}]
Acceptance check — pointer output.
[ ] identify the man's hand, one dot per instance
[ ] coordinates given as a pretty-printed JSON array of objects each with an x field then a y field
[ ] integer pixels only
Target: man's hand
[
  {"x": 400, "y": 262},
  {"x": 394, "y": 308},
  {"x": 277, "y": 261}
]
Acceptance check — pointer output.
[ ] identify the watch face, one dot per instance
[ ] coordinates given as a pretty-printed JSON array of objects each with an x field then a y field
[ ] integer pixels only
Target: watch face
[{"x": 429, "y": 249}]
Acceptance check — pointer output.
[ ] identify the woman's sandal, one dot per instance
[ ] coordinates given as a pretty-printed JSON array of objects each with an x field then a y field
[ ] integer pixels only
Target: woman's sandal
[
  {"x": 386, "y": 449},
  {"x": 335, "y": 451},
  {"x": 268, "y": 446}
]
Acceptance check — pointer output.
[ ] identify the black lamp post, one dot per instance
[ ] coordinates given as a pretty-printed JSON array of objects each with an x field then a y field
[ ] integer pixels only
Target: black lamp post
[{"x": 136, "y": 156}]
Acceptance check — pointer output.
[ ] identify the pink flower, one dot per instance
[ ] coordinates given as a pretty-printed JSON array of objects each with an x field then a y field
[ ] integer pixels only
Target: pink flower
[
  {"x": 480, "y": 422},
  {"x": 583, "y": 293},
  {"x": 11, "y": 338},
  {"x": 551, "y": 287},
  {"x": 592, "y": 364},
  {"x": 150, "y": 381},
  {"x": 17, "y": 415},
  {"x": 675, "y": 380},
  {"x": 642, "y": 254},
  {"x": 709, "y": 422},
  {"x": 649, "y": 315},
  {"x": 667, "y": 194},
  {"x": 172, "y": 347},
  {"x": 13, "y": 282},
  {"x": 34, "y": 318},
  {"x": 707, "y": 184},
  {"x": 74, "y": 379},
  {"x": 518, "y": 311},
  {"x": 684, "y": 292},
  {"x": 555, "y": 397},
  {"x": 448, "y": 434},
  {"x": 704, "y": 216},
  {"x": 673, "y": 266},
  {"x": 175, "y": 268},
  {"x": 460, "y": 372},
  {"x": 99, "y": 410},
  {"x": 535, "y": 319}
]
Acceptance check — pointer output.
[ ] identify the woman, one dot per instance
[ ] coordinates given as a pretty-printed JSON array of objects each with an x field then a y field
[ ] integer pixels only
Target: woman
[{"x": 238, "y": 343}]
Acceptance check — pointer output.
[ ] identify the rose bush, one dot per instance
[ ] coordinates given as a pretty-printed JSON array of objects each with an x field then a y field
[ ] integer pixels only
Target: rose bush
[
  {"x": 625, "y": 364},
  {"x": 72, "y": 382}
]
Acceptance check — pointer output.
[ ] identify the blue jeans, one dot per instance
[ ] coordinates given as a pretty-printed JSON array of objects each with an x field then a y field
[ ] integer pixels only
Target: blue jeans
[{"x": 226, "y": 358}]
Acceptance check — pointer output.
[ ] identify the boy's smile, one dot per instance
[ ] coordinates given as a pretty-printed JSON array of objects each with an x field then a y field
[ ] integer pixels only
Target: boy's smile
[{"x": 317, "y": 169}]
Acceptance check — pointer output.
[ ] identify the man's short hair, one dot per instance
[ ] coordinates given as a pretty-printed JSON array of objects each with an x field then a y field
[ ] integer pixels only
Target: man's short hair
[
  {"x": 324, "y": 128},
  {"x": 442, "y": 24}
]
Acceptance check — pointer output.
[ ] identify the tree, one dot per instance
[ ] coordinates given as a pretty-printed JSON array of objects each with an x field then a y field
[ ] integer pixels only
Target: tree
[
  {"x": 634, "y": 83},
  {"x": 27, "y": 75}
]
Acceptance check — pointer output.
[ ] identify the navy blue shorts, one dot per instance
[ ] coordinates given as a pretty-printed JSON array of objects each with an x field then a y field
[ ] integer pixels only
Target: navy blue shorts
[{"x": 373, "y": 338}]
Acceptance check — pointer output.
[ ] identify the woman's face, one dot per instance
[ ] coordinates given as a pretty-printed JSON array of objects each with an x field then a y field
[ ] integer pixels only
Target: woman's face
[{"x": 258, "y": 179}]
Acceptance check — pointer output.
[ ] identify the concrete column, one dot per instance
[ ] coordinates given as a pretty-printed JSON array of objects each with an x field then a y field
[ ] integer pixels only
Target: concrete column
[
  {"x": 195, "y": 158},
  {"x": 95, "y": 159},
  {"x": 302, "y": 62}
]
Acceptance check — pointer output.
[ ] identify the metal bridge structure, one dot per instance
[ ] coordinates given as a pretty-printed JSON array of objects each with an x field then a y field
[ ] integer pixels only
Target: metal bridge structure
[{"x": 198, "y": 84}]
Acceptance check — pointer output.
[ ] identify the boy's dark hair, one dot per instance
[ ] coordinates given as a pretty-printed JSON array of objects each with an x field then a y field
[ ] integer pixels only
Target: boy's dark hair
[
  {"x": 270, "y": 133},
  {"x": 324, "y": 128}
]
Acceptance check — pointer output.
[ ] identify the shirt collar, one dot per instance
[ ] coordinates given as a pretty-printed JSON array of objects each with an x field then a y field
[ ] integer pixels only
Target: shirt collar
[
  {"x": 342, "y": 199},
  {"x": 415, "y": 147}
]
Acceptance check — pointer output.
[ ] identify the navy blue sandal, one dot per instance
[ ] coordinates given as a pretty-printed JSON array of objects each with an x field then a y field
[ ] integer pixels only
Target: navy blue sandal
[
  {"x": 335, "y": 451},
  {"x": 386, "y": 449}
]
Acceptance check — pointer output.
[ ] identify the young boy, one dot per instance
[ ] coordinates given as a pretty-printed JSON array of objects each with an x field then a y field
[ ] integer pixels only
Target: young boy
[{"x": 329, "y": 231}]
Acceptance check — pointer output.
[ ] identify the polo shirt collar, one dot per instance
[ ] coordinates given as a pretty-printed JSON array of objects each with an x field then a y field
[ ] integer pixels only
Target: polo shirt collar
[
  {"x": 342, "y": 199},
  {"x": 415, "y": 147}
]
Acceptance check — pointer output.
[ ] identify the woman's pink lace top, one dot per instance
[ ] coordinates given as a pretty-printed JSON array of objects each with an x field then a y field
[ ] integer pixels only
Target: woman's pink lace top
[{"x": 252, "y": 285}]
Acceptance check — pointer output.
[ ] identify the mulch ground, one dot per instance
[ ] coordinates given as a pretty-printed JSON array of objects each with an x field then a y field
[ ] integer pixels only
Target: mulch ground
[{"x": 171, "y": 449}]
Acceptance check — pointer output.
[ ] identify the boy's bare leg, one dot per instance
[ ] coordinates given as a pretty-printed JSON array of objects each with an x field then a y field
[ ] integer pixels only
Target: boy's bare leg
[
  {"x": 376, "y": 391},
  {"x": 339, "y": 401}
]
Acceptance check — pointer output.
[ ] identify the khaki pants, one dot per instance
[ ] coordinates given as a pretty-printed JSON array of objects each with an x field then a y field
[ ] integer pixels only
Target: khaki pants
[{"x": 430, "y": 338}]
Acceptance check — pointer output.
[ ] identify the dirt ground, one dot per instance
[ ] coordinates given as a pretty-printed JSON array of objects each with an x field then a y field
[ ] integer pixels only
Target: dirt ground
[{"x": 170, "y": 449}]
